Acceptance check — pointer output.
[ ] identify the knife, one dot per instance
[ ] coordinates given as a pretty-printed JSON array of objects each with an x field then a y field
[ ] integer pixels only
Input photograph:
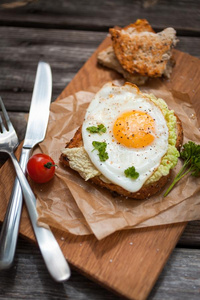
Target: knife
[{"x": 35, "y": 133}]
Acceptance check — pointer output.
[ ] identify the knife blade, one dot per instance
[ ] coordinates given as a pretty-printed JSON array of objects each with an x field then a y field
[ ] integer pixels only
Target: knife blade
[
  {"x": 39, "y": 109},
  {"x": 35, "y": 133}
]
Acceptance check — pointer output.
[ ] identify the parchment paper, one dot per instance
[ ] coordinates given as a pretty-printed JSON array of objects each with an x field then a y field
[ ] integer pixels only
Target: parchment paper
[{"x": 73, "y": 205}]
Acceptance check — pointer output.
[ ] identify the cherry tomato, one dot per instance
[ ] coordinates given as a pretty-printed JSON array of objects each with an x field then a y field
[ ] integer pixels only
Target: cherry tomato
[{"x": 40, "y": 168}]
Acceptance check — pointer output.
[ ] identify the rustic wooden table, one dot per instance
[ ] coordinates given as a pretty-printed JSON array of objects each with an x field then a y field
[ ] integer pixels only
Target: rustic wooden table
[{"x": 65, "y": 34}]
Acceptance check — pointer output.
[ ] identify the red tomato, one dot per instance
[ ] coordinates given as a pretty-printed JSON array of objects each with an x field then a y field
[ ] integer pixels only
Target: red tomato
[{"x": 40, "y": 168}]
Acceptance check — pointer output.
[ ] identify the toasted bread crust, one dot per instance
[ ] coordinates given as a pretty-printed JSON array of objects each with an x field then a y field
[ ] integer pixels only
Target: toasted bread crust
[
  {"x": 107, "y": 58},
  {"x": 138, "y": 53},
  {"x": 179, "y": 132},
  {"x": 146, "y": 191},
  {"x": 140, "y": 25},
  {"x": 144, "y": 53}
]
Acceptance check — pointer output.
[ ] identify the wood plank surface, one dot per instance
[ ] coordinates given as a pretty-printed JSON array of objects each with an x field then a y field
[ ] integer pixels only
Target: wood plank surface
[
  {"x": 28, "y": 279},
  {"x": 191, "y": 236},
  {"x": 184, "y": 264},
  {"x": 113, "y": 258},
  {"x": 102, "y": 14}
]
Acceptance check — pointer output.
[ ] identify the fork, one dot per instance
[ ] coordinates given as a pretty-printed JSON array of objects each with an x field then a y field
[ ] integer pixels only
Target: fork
[{"x": 49, "y": 248}]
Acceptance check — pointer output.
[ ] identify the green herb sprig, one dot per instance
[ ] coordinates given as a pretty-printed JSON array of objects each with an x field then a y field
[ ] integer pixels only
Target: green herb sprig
[
  {"x": 131, "y": 172},
  {"x": 100, "y": 129},
  {"x": 191, "y": 156},
  {"x": 101, "y": 148}
]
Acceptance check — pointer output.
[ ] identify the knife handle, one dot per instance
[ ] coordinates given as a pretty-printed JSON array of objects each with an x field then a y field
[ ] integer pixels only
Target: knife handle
[
  {"x": 10, "y": 227},
  {"x": 50, "y": 250}
]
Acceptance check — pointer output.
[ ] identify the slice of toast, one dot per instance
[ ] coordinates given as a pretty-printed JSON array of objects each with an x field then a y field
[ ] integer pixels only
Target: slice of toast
[{"x": 146, "y": 191}]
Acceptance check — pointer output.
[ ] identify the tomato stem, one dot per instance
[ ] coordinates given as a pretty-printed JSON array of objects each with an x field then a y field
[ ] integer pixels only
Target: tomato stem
[{"x": 49, "y": 165}]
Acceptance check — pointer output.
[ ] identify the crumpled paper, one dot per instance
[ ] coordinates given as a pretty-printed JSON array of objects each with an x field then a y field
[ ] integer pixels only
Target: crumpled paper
[{"x": 69, "y": 203}]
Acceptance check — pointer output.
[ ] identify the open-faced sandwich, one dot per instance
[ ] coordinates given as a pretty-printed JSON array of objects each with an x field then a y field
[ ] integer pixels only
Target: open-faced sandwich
[
  {"x": 139, "y": 53},
  {"x": 128, "y": 142}
]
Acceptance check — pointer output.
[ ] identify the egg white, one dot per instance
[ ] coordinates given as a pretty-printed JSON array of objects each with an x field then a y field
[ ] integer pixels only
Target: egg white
[{"x": 108, "y": 104}]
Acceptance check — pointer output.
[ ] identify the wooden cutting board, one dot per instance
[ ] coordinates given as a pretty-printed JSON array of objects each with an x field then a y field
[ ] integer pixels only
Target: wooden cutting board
[{"x": 127, "y": 262}]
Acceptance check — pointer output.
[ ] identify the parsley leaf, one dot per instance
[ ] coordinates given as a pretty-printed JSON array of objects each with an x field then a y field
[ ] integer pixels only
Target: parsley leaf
[
  {"x": 99, "y": 129},
  {"x": 191, "y": 156},
  {"x": 101, "y": 148},
  {"x": 131, "y": 172}
]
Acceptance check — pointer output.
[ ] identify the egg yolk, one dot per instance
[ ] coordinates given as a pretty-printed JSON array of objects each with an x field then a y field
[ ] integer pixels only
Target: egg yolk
[{"x": 134, "y": 129}]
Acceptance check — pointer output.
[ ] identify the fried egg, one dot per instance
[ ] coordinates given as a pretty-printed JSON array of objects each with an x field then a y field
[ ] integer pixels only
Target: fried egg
[{"x": 135, "y": 134}]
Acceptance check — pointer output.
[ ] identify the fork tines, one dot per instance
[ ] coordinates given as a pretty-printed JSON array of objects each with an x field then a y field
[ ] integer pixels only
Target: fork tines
[{"x": 5, "y": 116}]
